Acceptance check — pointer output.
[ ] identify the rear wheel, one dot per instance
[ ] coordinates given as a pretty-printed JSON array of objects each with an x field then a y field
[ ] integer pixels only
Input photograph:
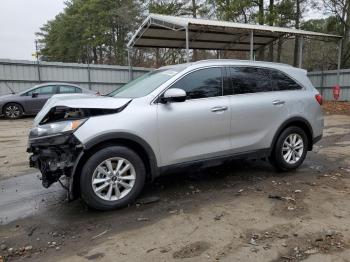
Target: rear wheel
[
  {"x": 13, "y": 111},
  {"x": 290, "y": 149},
  {"x": 112, "y": 178}
]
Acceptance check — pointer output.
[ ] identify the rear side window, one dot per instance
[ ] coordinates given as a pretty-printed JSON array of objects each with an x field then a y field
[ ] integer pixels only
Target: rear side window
[
  {"x": 282, "y": 82},
  {"x": 202, "y": 83},
  {"x": 69, "y": 89},
  {"x": 250, "y": 80}
]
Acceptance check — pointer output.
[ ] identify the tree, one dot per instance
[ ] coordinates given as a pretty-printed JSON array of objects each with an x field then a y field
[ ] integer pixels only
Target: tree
[
  {"x": 90, "y": 31},
  {"x": 233, "y": 10},
  {"x": 341, "y": 10}
]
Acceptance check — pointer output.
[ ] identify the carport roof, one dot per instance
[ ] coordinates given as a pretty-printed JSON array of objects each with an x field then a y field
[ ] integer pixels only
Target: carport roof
[{"x": 161, "y": 31}]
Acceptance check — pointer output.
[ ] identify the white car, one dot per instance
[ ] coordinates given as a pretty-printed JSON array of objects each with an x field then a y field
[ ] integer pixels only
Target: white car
[{"x": 177, "y": 116}]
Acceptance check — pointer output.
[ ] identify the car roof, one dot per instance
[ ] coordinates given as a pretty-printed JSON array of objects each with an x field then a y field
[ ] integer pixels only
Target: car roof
[
  {"x": 51, "y": 83},
  {"x": 223, "y": 62}
]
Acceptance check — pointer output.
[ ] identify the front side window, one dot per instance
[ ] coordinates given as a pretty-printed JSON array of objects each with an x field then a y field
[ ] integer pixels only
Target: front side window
[
  {"x": 282, "y": 82},
  {"x": 202, "y": 83},
  {"x": 250, "y": 80},
  {"x": 44, "y": 90}
]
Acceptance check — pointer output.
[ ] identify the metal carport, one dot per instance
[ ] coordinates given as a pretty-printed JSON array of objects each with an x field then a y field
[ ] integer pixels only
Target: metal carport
[{"x": 162, "y": 31}]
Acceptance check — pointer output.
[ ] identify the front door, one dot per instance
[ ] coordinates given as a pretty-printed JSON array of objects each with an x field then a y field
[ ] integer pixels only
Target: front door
[
  {"x": 38, "y": 97},
  {"x": 199, "y": 127}
]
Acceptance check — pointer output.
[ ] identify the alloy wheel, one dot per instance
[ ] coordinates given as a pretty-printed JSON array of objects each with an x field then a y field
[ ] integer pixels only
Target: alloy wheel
[
  {"x": 293, "y": 148},
  {"x": 12, "y": 111},
  {"x": 113, "y": 179}
]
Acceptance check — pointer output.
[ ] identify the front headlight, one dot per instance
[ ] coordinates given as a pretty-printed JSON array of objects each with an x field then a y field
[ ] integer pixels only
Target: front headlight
[{"x": 55, "y": 128}]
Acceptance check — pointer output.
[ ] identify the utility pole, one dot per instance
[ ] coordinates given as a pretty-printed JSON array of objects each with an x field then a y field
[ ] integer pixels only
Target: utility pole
[{"x": 37, "y": 59}]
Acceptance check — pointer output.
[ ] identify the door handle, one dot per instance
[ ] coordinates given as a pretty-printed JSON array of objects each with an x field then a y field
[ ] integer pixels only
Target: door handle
[
  {"x": 278, "y": 102},
  {"x": 219, "y": 108}
]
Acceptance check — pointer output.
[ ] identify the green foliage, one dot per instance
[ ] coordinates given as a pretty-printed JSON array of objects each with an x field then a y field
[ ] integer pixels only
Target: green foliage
[
  {"x": 236, "y": 11},
  {"x": 329, "y": 25},
  {"x": 90, "y": 31}
]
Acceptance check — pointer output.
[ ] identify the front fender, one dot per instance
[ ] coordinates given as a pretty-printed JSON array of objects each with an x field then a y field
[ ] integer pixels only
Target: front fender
[{"x": 112, "y": 138}]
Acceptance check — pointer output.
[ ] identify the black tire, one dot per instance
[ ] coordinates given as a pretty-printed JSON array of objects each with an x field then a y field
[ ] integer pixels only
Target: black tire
[
  {"x": 277, "y": 159},
  {"x": 13, "y": 111},
  {"x": 86, "y": 187}
]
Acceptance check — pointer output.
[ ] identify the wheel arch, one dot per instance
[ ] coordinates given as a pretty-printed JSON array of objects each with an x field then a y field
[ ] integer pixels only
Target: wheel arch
[
  {"x": 137, "y": 144},
  {"x": 299, "y": 122}
]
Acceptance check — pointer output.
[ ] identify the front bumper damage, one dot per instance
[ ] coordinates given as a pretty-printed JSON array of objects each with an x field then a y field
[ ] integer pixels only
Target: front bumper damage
[{"x": 54, "y": 156}]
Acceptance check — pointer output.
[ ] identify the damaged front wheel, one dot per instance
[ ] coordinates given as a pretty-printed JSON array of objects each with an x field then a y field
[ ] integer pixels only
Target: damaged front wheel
[{"x": 112, "y": 178}]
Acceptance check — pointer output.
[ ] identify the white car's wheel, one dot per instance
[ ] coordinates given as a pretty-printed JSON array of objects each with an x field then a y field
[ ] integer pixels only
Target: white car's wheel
[
  {"x": 290, "y": 149},
  {"x": 112, "y": 178}
]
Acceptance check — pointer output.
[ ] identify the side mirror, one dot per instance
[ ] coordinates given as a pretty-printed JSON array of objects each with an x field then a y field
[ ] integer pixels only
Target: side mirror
[
  {"x": 34, "y": 95},
  {"x": 174, "y": 95}
]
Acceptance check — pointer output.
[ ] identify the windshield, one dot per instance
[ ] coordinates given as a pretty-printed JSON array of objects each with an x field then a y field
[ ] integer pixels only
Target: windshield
[{"x": 144, "y": 84}]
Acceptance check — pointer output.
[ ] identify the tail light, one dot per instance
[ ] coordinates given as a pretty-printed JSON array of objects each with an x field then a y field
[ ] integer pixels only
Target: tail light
[{"x": 319, "y": 98}]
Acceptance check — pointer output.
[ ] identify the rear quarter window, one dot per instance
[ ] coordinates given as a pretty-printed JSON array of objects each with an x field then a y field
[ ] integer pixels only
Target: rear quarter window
[{"x": 282, "y": 82}]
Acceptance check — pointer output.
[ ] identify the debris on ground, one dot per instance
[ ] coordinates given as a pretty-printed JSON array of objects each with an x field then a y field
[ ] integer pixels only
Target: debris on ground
[
  {"x": 253, "y": 239},
  {"x": 282, "y": 198},
  {"x": 32, "y": 230},
  {"x": 28, "y": 248},
  {"x": 219, "y": 216},
  {"x": 325, "y": 242},
  {"x": 191, "y": 250},
  {"x": 99, "y": 235},
  {"x": 142, "y": 219},
  {"x": 148, "y": 200}
]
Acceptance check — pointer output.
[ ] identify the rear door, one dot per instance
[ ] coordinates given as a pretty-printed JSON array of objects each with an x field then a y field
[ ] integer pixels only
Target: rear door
[
  {"x": 256, "y": 110},
  {"x": 198, "y": 128}
]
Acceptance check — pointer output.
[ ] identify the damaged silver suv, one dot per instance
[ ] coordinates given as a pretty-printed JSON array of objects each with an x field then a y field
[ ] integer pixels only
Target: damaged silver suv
[{"x": 196, "y": 114}]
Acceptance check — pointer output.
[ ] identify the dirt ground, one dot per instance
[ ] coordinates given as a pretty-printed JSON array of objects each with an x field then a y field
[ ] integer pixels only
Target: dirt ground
[
  {"x": 241, "y": 211},
  {"x": 13, "y": 141}
]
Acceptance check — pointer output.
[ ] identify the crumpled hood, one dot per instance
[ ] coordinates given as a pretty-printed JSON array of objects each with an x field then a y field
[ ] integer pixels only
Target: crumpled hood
[{"x": 80, "y": 101}]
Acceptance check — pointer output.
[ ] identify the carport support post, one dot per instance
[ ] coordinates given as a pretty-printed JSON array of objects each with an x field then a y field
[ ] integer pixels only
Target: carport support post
[
  {"x": 89, "y": 75},
  {"x": 339, "y": 60},
  {"x": 187, "y": 46},
  {"x": 301, "y": 40},
  {"x": 251, "y": 45}
]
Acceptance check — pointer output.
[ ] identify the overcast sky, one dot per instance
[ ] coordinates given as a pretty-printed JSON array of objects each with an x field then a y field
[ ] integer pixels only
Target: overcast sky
[{"x": 19, "y": 20}]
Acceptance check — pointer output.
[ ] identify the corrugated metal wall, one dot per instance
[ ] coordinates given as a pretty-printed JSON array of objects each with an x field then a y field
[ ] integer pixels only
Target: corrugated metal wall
[
  {"x": 21, "y": 75},
  {"x": 324, "y": 81}
]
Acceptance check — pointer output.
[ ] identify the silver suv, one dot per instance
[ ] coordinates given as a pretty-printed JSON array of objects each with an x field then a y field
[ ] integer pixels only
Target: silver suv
[{"x": 178, "y": 116}]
